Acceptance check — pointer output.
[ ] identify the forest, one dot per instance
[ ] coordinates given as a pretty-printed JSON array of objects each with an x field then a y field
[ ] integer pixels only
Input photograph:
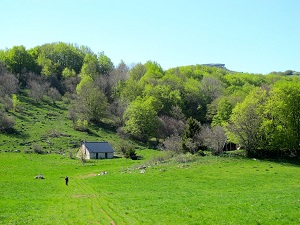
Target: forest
[{"x": 187, "y": 109}]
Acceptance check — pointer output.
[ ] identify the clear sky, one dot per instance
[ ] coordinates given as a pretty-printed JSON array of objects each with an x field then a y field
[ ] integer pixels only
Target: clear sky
[{"x": 255, "y": 36}]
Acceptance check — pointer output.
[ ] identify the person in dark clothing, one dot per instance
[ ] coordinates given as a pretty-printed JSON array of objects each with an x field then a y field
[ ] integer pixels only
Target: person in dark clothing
[{"x": 67, "y": 180}]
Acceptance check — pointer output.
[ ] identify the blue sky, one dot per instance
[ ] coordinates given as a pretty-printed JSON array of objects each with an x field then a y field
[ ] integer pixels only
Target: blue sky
[{"x": 257, "y": 36}]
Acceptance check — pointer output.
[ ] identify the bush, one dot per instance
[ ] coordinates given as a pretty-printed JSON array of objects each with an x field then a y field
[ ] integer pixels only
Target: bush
[
  {"x": 201, "y": 153},
  {"x": 130, "y": 153},
  {"x": 38, "y": 149},
  {"x": 124, "y": 146},
  {"x": 81, "y": 125},
  {"x": 6, "y": 122},
  {"x": 185, "y": 158}
]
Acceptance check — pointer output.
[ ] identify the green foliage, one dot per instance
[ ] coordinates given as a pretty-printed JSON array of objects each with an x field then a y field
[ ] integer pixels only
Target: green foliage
[
  {"x": 165, "y": 97},
  {"x": 85, "y": 82},
  {"x": 90, "y": 66},
  {"x": 91, "y": 103},
  {"x": 136, "y": 72},
  {"x": 192, "y": 128},
  {"x": 68, "y": 73},
  {"x": 55, "y": 57},
  {"x": 141, "y": 118},
  {"x": 145, "y": 96},
  {"x": 246, "y": 120},
  {"x": 81, "y": 125},
  {"x": 18, "y": 60},
  {"x": 48, "y": 67},
  {"x": 105, "y": 64},
  {"x": 129, "y": 90},
  {"x": 153, "y": 71},
  {"x": 267, "y": 123},
  {"x": 282, "y": 118},
  {"x": 224, "y": 111},
  {"x": 16, "y": 102},
  {"x": 130, "y": 154}
]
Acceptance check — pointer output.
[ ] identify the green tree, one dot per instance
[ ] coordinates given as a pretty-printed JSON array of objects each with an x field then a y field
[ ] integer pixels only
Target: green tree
[
  {"x": 137, "y": 72},
  {"x": 90, "y": 66},
  {"x": 282, "y": 117},
  {"x": 193, "y": 100},
  {"x": 141, "y": 119},
  {"x": 105, "y": 64},
  {"x": 153, "y": 72},
  {"x": 60, "y": 55},
  {"x": 245, "y": 122},
  {"x": 193, "y": 127},
  {"x": 68, "y": 73},
  {"x": 48, "y": 67},
  {"x": 224, "y": 110},
  {"x": 211, "y": 88},
  {"x": 91, "y": 104},
  {"x": 18, "y": 60},
  {"x": 128, "y": 90},
  {"x": 166, "y": 97}
]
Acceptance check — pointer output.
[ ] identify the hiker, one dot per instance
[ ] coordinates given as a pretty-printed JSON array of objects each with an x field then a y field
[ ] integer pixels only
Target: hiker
[{"x": 67, "y": 180}]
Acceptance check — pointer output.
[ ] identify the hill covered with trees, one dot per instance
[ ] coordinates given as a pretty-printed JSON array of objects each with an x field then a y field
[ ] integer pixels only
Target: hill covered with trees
[{"x": 182, "y": 109}]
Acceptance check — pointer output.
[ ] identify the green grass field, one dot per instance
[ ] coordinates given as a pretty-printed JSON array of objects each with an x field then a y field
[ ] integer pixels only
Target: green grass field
[
  {"x": 182, "y": 190},
  {"x": 196, "y": 190}
]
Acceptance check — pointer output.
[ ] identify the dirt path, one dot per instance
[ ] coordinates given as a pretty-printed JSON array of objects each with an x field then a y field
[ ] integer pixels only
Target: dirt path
[{"x": 95, "y": 204}]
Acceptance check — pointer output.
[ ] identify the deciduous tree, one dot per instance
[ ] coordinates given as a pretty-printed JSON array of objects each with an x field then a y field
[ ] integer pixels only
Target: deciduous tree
[
  {"x": 245, "y": 123},
  {"x": 141, "y": 118}
]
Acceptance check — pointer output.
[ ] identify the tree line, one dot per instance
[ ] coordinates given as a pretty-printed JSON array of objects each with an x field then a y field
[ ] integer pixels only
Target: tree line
[{"x": 182, "y": 109}]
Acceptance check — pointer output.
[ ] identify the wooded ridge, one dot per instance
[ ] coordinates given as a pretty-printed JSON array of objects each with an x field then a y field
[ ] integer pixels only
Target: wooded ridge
[{"x": 183, "y": 109}]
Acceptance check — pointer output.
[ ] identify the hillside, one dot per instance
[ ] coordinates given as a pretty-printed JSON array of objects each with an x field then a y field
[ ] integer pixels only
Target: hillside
[
  {"x": 45, "y": 127},
  {"x": 60, "y": 94}
]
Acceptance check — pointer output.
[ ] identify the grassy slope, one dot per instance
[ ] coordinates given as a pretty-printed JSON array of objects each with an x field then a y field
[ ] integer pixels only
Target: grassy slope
[
  {"x": 208, "y": 191},
  {"x": 37, "y": 124}
]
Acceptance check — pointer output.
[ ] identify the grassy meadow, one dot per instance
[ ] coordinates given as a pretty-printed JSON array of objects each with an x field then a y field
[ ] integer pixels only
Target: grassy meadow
[
  {"x": 182, "y": 190},
  {"x": 154, "y": 190}
]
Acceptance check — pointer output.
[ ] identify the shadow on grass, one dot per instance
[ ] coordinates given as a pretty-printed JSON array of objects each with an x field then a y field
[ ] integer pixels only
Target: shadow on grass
[
  {"x": 16, "y": 133},
  {"x": 92, "y": 133},
  {"x": 291, "y": 161},
  {"x": 105, "y": 126}
]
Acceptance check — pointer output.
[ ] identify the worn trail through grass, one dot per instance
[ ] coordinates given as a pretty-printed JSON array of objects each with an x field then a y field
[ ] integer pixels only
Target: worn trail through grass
[{"x": 94, "y": 204}]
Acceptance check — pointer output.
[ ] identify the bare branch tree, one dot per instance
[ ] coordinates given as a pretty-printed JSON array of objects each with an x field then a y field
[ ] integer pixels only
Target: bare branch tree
[
  {"x": 38, "y": 89},
  {"x": 214, "y": 138},
  {"x": 173, "y": 143},
  {"x": 8, "y": 84}
]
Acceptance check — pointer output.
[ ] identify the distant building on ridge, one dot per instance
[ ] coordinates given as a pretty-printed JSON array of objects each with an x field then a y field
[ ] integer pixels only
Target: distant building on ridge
[{"x": 219, "y": 65}]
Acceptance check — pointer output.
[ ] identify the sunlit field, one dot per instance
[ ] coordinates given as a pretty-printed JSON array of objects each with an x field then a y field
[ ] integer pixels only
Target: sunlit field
[{"x": 187, "y": 190}]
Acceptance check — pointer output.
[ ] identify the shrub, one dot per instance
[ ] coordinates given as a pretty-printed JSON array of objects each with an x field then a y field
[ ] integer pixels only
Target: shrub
[
  {"x": 185, "y": 158},
  {"x": 81, "y": 125},
  {"x": 124, "y": 147},
  {"x": 6, "y": 122},
  {"x": 38, "y": 149},
  {"x": 130, "y": 153}
]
